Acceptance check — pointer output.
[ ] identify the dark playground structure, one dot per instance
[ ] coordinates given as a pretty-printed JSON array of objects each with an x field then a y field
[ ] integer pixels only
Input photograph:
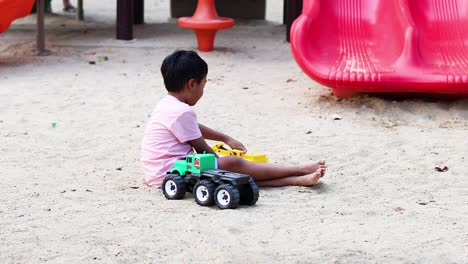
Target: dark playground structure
[{"x": 131, "y": 12}]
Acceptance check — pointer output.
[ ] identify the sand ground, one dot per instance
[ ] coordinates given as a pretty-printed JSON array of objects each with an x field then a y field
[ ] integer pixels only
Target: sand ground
[{"x": 71, "y": 180}]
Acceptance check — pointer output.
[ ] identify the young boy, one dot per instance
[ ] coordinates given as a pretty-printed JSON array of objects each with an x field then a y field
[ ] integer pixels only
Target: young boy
[{"x": 173, "y": 131}]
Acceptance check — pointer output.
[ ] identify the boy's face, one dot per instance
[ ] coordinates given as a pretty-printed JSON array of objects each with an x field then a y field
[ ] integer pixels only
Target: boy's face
[{"x": 196, "y": 90}]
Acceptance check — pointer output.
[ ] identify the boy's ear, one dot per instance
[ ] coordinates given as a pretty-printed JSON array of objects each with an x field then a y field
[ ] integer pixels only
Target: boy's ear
[{"x": 192, "y": 83}]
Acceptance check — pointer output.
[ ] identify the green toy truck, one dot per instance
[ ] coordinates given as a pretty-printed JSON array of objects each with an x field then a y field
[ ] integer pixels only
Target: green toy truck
[{"x": 197, "y": 173}]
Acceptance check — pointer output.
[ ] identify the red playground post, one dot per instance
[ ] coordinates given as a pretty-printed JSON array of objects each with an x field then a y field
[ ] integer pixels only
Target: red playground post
[{"x": 205, "y": 22}]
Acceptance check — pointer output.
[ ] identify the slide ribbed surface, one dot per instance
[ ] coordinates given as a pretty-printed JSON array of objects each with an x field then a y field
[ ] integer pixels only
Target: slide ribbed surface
[{"x": 384, "y": 45}]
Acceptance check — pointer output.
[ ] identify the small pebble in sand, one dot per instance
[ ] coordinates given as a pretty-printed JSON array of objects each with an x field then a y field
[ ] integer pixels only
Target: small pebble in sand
[
  {"x": 441, "y": 169},
  {"x": 336, "y": 117}
]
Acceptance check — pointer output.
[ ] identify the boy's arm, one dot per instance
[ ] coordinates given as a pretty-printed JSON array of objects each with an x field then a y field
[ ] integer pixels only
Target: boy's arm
[
  {"x": 212, "y": 134},
  {"x": 201, "y": 146}
]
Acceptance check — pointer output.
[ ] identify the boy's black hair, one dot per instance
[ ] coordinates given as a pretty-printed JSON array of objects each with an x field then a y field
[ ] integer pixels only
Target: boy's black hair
[{"x": 181, "y": 66}]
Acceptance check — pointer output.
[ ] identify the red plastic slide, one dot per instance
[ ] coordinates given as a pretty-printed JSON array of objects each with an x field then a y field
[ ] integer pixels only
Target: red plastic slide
[
  {"x": 384, "y": 45},
  {"x": 13, "y": 9}
]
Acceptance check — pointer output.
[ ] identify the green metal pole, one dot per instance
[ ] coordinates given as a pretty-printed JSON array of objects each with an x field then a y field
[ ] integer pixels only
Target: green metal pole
[
  {"x": 138, "y": 12},
  {"x": 80, "y": 11},
  {"x": 40, "y": 37}
]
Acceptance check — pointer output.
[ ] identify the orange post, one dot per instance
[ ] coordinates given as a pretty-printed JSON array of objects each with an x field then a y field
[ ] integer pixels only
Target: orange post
[{"x": 205, "y": 22}]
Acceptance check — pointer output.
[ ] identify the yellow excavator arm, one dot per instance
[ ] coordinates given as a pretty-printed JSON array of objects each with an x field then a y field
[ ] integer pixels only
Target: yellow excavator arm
[{"x": 221, "y": 149}]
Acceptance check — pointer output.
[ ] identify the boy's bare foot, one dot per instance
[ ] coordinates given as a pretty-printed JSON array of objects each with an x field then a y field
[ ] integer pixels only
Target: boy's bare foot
[
  {"x": 311, "y": 168},
  {"x": 310, "y": 179}
]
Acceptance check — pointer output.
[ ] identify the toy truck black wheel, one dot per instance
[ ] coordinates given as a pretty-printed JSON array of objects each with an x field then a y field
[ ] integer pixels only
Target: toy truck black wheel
[
  {"x": 249, "y": 193},
  {"x": 227, "y": 196},
  {"x": 203, "y": 192},
  {"x": 174, "y": 187}
]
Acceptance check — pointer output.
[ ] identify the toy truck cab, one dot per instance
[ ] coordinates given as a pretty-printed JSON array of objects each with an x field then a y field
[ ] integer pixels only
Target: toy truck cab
[
  {"x": 198, "y": 173},
  {"x": 195, "y": 163}
]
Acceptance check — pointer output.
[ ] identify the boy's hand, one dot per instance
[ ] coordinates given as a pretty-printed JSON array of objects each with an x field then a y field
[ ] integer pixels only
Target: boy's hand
[{"x": 234, "y": 144}]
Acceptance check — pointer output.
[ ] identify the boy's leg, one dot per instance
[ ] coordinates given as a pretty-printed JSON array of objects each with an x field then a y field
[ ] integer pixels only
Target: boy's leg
[
  {"x": 265, "y": 171},
  {"x": 306, "y": 180}
]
